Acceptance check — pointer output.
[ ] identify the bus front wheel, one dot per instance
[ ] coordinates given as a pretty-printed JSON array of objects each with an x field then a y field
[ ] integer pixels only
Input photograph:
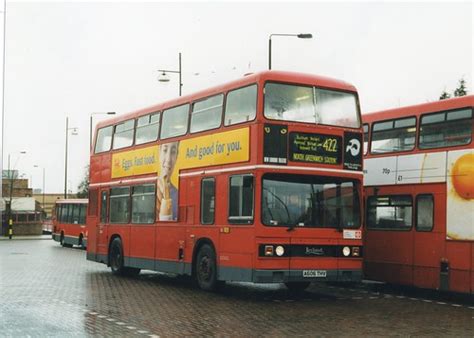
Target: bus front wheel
[
  {"x": 206, "y": 269},
  {"x": 116, "y": 260}
]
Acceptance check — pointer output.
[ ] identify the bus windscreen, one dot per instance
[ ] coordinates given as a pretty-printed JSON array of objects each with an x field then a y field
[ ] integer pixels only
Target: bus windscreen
[{"x": 311, "y": 105}]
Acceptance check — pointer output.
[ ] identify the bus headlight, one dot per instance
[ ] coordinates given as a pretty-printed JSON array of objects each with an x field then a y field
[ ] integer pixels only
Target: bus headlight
[
  {"x": 355, "y": 251},
  {"x": 346, "y": 251},
  {"x": 279, "y": 250}
]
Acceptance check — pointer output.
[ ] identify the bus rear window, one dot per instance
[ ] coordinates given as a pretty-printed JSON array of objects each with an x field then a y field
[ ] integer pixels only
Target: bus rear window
[
  {"x": 389, "y": 212},
  {"x": 446, "y": 129},
  {"x": 311, "y": 105},
  {"x": 104, "y": 140},
  {"x": 394, "y": 135}
]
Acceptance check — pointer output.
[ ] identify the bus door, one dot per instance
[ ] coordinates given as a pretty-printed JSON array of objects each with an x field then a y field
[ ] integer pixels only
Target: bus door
[
  {"x": 236, "y": 245},
  {"x": 428, "y": 270},
  {"x": 101, "y": 229}
]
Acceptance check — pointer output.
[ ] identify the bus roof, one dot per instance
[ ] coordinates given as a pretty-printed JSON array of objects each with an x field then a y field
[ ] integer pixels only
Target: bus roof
[
  {"x": 268, "y": 75},
  {"x": 72, "y": 201},
  {"x": 419, "y": 109}
]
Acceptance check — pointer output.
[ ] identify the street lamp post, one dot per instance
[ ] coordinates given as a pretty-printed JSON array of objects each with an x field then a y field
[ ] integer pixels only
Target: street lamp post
[
  {"x": 163, "y": 78},
  {"x": 299, "y": 36},
  {"x": 74, "y": 132},
  {"x": 90, "y": 130},
  {"x": 9, "y": 209}
]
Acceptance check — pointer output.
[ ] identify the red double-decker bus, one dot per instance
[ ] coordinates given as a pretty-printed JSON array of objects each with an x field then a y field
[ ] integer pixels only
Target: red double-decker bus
[
  {"x": 257, "y": 180},
  {"x": 69, "y": 222},
  {"x": 419, "y": 188}
]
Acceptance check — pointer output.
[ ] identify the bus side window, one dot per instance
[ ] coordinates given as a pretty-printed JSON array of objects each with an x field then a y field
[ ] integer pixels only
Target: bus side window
[
  {"x": 424, "y": 212},
  {"x": 366, "y": 138},
  {"x": 119, "y": 210},
  {"x": 208, "y": 200},
  {"x": 392, "y": 212},
  {"x": 82, "y": 213},
  {"x": 241, "y": 199},
  {"x": 241, "y": 105},
  {"x": 103, "y": 207},
  {"x": 143, "y": 204},
  {"x": 394, "y": 135},
  {"x": 104, "y": 140}
]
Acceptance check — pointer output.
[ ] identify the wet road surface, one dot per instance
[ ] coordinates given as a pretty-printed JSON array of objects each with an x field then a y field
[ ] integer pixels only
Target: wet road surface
[{"x": 48, "y": 290}]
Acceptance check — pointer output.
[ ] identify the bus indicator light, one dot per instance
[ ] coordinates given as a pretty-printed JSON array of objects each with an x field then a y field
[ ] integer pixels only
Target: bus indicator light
[{"x": 268, "y": 250}]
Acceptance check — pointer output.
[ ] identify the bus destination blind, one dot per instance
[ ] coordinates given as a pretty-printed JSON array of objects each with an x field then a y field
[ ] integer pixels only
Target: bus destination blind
[{"x": 315, "y": 148}]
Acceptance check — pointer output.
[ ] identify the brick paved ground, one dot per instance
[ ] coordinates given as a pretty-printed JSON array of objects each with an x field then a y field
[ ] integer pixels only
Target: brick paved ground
[{"x": 47, "y": 290}]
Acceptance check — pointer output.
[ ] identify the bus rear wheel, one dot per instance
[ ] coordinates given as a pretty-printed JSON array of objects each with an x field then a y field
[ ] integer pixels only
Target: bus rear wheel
[
  {"x": 297, "y": 286},
  {"x": 206, "y": 269},
  {"x": 116, "y": 260}
]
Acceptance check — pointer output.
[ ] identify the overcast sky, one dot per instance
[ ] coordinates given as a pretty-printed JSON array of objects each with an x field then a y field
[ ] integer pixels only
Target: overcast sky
[{"x": 75, "y": 58}]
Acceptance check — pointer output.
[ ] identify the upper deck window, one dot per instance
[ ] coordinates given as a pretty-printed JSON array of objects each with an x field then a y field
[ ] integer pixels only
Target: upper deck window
[
  {"x": 148, "y": 127},
  {"x": 393, "y": 135},
  {"x": 241, "y": 105},
  {"x": 123, "y": 134},
  {"x": 311, "y": 105},
  {"x": 104, "y": 140},
  {"x": 207, "y": 114},
  {"x": 175, "y": 121},
  {"x": 446, "y": 129}
]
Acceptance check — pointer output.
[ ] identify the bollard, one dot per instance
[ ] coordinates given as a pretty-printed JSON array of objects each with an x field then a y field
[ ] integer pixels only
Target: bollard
[{"x": 10, "y": 228}]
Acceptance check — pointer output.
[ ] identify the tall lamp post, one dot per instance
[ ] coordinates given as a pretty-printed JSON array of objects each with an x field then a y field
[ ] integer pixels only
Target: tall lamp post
[
  {"x": 37, "y": 166},
  {"x": 299, "y": 36},
  {"x": 73, "y": 132},
  {"x": 163, "y": 78},
  {"x": 90, "y": 130},
  {"x": 9, "y": 206}
]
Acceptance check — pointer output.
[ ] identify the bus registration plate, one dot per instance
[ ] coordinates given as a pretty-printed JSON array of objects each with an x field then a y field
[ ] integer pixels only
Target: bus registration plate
[{"x": 314, "y": 273}]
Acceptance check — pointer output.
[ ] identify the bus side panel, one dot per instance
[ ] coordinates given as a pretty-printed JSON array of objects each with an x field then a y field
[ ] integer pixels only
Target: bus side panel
[
  {"x": 169, "y": 239},
  {"x": 428, "y": 250},
  {"x": 458, "y": 254},
  {"x": 389, "y": 256},
  {"x": 235, "y": 253},
  {"x": 92, "y": 237},
  {"x": 142, "y": 246}
]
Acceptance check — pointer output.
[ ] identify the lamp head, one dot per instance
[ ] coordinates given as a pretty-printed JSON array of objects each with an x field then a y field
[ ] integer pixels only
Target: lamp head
[
  {"x": 305, "y": 36},
  {"x": 163, "y": 77}
]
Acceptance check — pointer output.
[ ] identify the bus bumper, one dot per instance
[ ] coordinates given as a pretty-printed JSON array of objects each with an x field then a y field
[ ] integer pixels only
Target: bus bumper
[{"x": 57, "y": 237}]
